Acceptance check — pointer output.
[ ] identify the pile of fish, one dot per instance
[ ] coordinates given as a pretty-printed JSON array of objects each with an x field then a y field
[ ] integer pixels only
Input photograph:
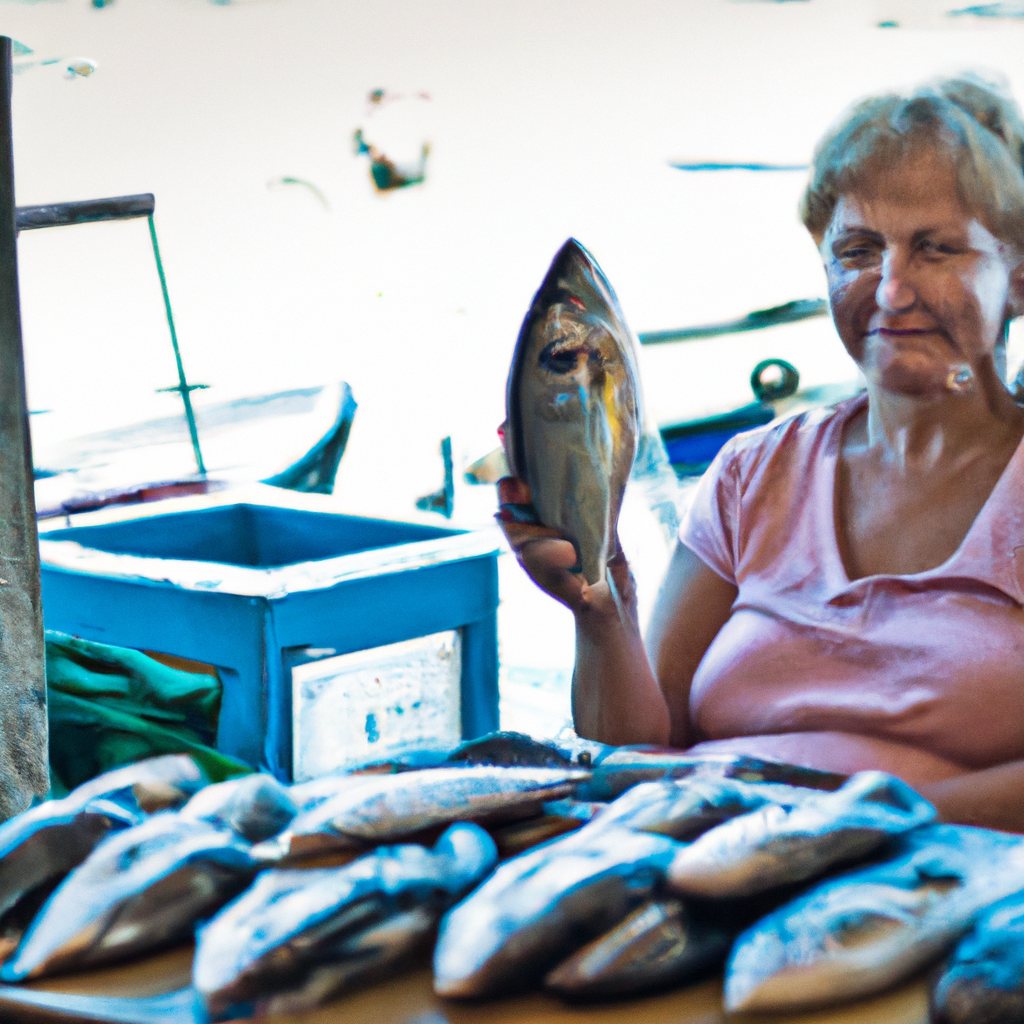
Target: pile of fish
[{"x": 591, "y": 871}]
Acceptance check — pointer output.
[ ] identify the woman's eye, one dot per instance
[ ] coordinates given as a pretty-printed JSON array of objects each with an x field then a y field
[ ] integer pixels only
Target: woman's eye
[
  {"x": 855, "y": 254},
  {"x": 932, "y": 248}
]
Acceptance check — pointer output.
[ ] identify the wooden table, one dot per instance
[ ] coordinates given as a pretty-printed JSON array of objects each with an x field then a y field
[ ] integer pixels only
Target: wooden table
[{"x": 409, "y": 999}]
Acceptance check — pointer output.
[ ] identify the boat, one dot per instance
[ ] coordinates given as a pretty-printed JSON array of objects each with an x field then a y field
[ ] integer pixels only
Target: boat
[{"x": 292, "y": 439}]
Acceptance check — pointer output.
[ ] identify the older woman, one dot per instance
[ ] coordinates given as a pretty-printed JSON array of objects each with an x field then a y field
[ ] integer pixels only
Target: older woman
[{"x": 848, "y": 590}]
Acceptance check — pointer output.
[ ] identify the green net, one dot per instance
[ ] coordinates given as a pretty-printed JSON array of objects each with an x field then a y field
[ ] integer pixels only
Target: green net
[{"x": 110, "y": 706}]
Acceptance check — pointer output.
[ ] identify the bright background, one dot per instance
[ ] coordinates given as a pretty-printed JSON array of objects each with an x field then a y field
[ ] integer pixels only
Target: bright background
[{"x": 547, "y": 118}]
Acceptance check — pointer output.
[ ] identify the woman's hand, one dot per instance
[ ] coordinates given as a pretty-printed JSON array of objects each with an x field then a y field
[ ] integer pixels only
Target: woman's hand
[
  {"x": 549, "y": 558},
  {"x": 615, "y": 697}
]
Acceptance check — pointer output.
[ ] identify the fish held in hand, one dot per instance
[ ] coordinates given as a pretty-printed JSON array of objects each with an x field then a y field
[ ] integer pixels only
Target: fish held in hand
[
  {"x": 661, "y": 943},
  {"x": 541, "y": 906},
  {"x": 384, "y": 808},
  {"x": 573, "y": 406},
  {"x": 784, "y": 843},
  {"x": 861, "y": 932},
  {"x": 297, "y": 937},
  {"x": 140, "y": 889},
  {"x": 983, "y": 982}
]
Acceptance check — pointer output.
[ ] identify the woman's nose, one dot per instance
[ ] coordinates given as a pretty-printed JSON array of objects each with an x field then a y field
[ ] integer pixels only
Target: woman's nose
[{"x": 895, "y": 294}]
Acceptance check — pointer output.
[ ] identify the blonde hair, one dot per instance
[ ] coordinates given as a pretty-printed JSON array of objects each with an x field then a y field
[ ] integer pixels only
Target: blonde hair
[{"x": 973, "y": 122}]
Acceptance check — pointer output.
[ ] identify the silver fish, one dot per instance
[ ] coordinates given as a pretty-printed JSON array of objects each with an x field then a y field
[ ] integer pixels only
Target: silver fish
[
  {"x": 370, "y": 955},
  {"x": 139, "y": 889},
  {"x": 384, "y": 808},
  {"x": 154, "y": 784},
  {"x": 789, "y": 843},
  {"x": 620, "y": 768},
  {"x": 573, "y": 406},
  {"x": 255, "y": 807},
  {"x": 983, "y": 982},
  {"x": 661, "y": 943},
  {"x": 519, "y": 836},
  {"x": 509, "y": 748},
  {"x": 297, "y": 937},
  {"x": 868, "y": 929},
  {"x": 41, "y": 845},
  {"x": 686, "y": 808},
  {"x": 539, "y": 907}
]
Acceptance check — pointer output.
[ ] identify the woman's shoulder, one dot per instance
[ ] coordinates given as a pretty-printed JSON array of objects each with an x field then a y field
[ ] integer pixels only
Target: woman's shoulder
[{"x": 794, "y": 439}]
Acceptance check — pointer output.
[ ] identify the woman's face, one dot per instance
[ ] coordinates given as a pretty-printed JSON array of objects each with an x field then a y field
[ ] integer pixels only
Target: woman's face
[{"x": 919, "y": 287}]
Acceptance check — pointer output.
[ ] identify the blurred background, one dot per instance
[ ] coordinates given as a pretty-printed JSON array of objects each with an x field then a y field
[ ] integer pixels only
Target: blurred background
[{"x": 544, "y": 119}]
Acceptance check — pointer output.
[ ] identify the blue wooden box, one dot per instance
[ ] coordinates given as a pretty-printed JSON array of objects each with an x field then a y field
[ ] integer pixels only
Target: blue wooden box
[{"x": 257, "y": 581}]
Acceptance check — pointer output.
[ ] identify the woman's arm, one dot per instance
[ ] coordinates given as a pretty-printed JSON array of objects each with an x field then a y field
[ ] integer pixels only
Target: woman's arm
[
  {"x": 616, "y": 696},
  {"x": 991, "y": 798},
  {"x": 693, "y": 605},
  {"x": 626, "y": 692}
]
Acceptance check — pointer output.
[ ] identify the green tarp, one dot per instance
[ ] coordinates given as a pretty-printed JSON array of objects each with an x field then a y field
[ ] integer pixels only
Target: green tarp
[{"x": 110, "y": 706}]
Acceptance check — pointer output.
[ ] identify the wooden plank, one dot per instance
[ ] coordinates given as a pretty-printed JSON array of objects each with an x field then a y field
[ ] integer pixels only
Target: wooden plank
[
  {"x": 24, "y": 772},
  {"x": 113, "y": 997}
]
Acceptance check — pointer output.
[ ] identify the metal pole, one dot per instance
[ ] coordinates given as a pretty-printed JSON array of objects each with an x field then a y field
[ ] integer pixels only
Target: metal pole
[
  {"x": 24, "y": 770},
  {"x": 182, "y": 387}
]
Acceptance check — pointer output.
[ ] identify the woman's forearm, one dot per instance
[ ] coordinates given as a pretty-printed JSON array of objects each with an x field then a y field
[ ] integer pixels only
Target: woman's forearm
[
  {"x": 991, "y": 798},
  {"x": 615, "y": 697}
]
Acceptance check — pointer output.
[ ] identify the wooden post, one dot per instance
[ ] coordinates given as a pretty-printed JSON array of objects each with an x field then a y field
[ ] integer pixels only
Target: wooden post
[{"x": 24, "y": 770}]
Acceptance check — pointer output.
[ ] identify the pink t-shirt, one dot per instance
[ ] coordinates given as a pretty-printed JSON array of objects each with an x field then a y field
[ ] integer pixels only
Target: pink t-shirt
[{"x": 922, "y": 675}]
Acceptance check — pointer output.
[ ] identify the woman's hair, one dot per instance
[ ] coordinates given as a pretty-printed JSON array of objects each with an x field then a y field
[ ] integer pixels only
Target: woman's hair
[{"x": 972, "y": 122}]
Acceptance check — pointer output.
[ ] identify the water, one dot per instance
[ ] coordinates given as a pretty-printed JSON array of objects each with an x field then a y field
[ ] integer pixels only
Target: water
[{"x": 546, "y": 118}]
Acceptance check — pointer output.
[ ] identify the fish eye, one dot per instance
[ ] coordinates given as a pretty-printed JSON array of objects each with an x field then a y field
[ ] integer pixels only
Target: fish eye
[{"x": 559, "y": 360}]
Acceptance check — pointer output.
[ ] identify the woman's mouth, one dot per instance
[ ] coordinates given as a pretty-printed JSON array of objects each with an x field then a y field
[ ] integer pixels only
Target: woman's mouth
[{"x": 903, "y": 332}]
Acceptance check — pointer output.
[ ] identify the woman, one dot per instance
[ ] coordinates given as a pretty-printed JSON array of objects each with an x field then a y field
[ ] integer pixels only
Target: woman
[{"x": 848, "y": 590}]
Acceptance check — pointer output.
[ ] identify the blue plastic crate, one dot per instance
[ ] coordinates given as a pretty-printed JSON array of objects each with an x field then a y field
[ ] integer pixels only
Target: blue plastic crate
[{"x": 257, "y": 582}]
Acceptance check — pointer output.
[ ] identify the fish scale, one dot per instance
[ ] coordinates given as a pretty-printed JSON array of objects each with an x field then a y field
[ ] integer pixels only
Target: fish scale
[
  {"x": 541, "y": 906},
  {"x": 382, "y": 808},
  {"x": 151, "y": 883},
  {"x": 297, "y": 936},
  {"x": 860, "y": 932}
]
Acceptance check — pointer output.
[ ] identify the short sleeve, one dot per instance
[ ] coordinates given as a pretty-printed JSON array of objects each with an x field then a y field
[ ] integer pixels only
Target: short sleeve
[{"x": 712, "y": 524}]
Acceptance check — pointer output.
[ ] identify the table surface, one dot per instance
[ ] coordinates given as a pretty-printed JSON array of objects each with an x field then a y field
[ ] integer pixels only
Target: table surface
[{"x": 409, "y": 999}]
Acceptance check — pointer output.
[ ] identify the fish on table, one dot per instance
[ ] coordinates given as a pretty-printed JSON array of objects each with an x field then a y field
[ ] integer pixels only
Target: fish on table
[
  {"x": 385, "y": 808},
  {"x": 983, "y": 980},
  {"x": 150, "y": 884},
  {"x": 617, "y": 769},
  {"x": 860, "y": 932},
  {"x": 688, "y": 807},
  {"x": 255, "y": 806},
  {"x": 151, "y": 785},
  {"x": 41, "y": 845},
  {"x": 509, "y": 748},
  {"x": 663, "y": 942},
  {"x": 297, "y": 937},
  {"x": 785, "y": 843},
  {"x": 573, "y": 406},
  {"x": 538, "y": 908}
]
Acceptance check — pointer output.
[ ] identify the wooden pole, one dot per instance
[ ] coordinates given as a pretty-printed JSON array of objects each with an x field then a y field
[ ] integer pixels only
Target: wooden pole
[
  {"x": 87, "y": 211},
  {"x": 24, "y": 770}
]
